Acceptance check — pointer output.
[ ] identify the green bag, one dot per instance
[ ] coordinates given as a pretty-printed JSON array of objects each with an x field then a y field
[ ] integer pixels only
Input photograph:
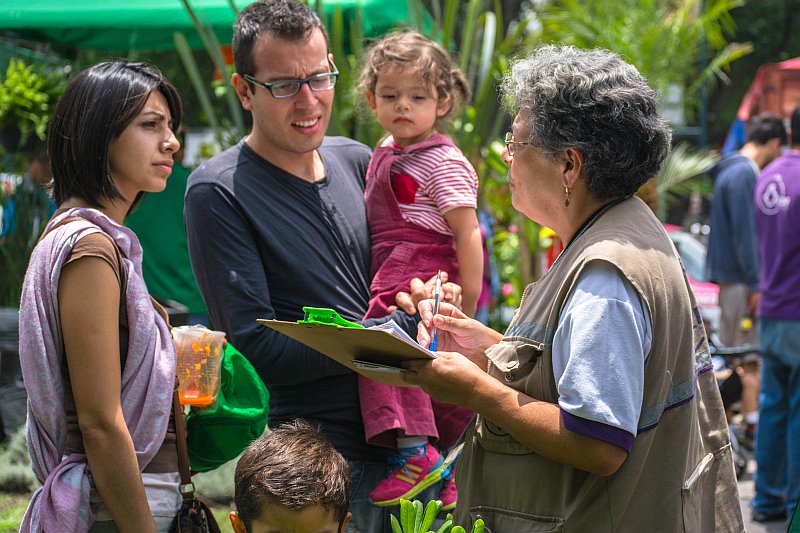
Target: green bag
[
  {"x": 794, "y": 525},
  {"x": 220, "y": 433}
]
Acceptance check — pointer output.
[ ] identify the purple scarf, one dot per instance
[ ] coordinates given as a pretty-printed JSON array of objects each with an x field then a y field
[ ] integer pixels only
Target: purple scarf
[{"x": 62, "y": 503}]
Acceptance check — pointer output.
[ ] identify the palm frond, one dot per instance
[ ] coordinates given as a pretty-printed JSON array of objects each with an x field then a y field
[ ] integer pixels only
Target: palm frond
[
  {"x": 716, "y": 69},
  {"x": 683, "y": 164}
]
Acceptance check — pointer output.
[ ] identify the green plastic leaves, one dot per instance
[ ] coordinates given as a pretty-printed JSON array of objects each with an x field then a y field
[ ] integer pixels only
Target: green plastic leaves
[{"x": 414, "y": 518}]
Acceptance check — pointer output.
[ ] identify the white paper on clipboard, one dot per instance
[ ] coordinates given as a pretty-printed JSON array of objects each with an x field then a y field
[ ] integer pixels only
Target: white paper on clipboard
[{"x": 376, "y": 367}]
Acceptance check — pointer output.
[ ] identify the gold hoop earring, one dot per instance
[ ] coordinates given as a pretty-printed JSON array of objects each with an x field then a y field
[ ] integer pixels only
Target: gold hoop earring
[{"x": 566, "y": 196}]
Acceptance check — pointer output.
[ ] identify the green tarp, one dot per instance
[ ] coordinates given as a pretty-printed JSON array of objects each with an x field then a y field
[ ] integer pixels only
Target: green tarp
[
  {"x": 122, "y": 25},
  {"x": 116, "y": 25}
]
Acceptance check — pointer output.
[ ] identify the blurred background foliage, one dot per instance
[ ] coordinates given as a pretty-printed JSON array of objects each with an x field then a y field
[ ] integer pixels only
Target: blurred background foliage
[
  {"x": 678, "y": 42},
  {"x": 683, "y": 47}
]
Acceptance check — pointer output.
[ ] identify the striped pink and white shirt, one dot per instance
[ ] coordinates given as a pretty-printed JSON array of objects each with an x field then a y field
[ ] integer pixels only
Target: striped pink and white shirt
[{"x": 440, "y": 178}]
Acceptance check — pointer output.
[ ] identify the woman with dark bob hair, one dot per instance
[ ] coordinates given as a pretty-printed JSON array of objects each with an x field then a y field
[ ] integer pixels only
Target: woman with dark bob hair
[
  {"x": 597, "y": 409},
  {"x": 97, "y": 356}
]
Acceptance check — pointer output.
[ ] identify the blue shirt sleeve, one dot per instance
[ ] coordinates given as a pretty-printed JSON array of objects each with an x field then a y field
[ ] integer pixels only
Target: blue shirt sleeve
[
  {"x": 9, "y": 218},
  {"x": 744, "y": 241},
  {"x": 599, "y": 352}
]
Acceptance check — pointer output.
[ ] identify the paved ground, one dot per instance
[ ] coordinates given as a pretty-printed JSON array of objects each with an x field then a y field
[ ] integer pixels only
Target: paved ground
[{"x": 745, "y": 493}]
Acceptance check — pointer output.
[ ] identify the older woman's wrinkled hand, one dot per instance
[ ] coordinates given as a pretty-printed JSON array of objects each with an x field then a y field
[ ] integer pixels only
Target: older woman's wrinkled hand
[
  {"x": 419, "y": 290},
  {"x": 451, "y": 377},
  {"x": 456, "y": 332}
]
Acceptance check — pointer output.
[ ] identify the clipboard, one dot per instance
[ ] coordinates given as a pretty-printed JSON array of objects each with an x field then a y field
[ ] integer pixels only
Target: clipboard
[{"x": 374, "y": 353}]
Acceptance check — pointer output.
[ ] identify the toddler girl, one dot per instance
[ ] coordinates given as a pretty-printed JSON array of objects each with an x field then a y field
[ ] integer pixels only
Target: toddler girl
[{"x": 421, "y": 196}]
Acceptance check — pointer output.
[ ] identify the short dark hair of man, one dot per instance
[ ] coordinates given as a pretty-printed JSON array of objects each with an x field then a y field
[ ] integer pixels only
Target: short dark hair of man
[
  {"x": 294, "y": 466},
  {"x": 794, "y": 124},
  {"x": 96, "y": 107},
  {"x": 287, "y": 19},
  {"x": 764, "y": 127},
  {"x": 38, "y": 152}
]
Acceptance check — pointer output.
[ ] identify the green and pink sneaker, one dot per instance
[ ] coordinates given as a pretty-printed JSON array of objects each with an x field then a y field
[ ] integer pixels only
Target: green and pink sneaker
[{"x": 411, "y": 471}]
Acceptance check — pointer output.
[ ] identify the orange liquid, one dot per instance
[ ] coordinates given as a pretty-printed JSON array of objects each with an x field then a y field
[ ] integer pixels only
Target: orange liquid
[{"x": 201, "y": 401}]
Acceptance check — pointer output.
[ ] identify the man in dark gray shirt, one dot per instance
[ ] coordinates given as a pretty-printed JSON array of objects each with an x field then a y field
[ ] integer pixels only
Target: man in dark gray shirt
[
  {"x": 278, "y": 221},
  {"x": 264, "y": 243}
]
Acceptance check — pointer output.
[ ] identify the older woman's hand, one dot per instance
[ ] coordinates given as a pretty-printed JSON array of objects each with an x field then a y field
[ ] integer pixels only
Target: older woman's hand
[
  {"x": 419, "y": 290},
  {"x": 451, "y": 377},
  {"x": 456, "y": 331}
]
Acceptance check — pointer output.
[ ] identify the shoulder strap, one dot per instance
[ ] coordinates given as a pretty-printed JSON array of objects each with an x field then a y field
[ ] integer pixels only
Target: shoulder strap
[
  {"x": 195, "y": 515},
  {"x": 186, "y": 487}
]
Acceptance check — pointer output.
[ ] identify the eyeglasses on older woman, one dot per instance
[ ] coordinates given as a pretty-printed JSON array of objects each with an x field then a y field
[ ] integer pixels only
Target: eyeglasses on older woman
[{"x": 511, "y": 143}]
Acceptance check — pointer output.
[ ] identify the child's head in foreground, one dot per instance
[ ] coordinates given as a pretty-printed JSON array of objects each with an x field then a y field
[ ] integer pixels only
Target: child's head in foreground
[
  {"x": 412, "y": 85},
  {"x": 292, "y": 481}
]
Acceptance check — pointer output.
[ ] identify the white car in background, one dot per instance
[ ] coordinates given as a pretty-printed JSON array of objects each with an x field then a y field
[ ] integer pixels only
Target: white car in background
[{"x": 693, "y": 255}]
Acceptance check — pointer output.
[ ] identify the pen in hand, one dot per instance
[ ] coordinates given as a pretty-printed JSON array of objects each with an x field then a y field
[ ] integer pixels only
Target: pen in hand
[{"x": 437, "y": 292}]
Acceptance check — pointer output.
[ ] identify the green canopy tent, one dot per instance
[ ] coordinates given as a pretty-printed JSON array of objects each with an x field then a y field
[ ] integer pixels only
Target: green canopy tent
[
  {"x": 117, "y": 25},
  {"x": 124, "y": 25}
]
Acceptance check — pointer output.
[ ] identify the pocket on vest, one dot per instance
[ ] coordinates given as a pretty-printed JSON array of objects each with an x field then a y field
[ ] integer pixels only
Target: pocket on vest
[
  {"x": 701, "y": 491},
  {"x": 506, "y": 521},
  {"x": 518, "y": 364}
]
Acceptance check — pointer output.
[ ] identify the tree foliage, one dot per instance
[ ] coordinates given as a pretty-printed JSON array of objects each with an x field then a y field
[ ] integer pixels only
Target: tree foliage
[
  {"x": 771, "y": 25},
  {"x": 682, "y": 42}
]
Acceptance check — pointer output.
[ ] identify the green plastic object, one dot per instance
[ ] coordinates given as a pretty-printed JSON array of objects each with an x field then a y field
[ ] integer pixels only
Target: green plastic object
[
  {"x": 794, "y": 526},
  {"x": 326, "y": 317},
  {"x": 219, "y": 434}
]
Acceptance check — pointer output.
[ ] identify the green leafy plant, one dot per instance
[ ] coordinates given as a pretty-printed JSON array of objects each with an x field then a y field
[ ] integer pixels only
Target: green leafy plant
[
  {"x": 416, "y": 518},
  {"x": 28, "y": 96},
  {"x": 682, "y": 173}
]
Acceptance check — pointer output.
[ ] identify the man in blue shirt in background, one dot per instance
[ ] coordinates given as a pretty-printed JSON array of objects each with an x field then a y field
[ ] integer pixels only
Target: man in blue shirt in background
[{"x": 732, "y": 260}]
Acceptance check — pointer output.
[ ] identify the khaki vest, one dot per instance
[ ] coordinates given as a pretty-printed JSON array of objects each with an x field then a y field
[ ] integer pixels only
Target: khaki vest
[{"x": 679, "y": 475}]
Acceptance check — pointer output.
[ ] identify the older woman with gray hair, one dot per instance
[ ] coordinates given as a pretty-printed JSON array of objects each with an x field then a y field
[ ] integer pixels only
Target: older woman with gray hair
[{"x": 597, "y": 409}]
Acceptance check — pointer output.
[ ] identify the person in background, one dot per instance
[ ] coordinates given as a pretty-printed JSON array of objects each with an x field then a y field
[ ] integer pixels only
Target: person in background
[
  {"x": 777, "y": 203},
  {"x": 732, "y": 259},
  {"x": 278, "y": 222},
  {"x": 490, "y": 284},
  {"x": 25, "y": 209},
  {"x": 96, "y": 352},
  {"x": 30, "y": 205},
  {"x": 157, "y": 221},
  {"x": 597, "y": 409},
  {"x": 291, "y": 480}
]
